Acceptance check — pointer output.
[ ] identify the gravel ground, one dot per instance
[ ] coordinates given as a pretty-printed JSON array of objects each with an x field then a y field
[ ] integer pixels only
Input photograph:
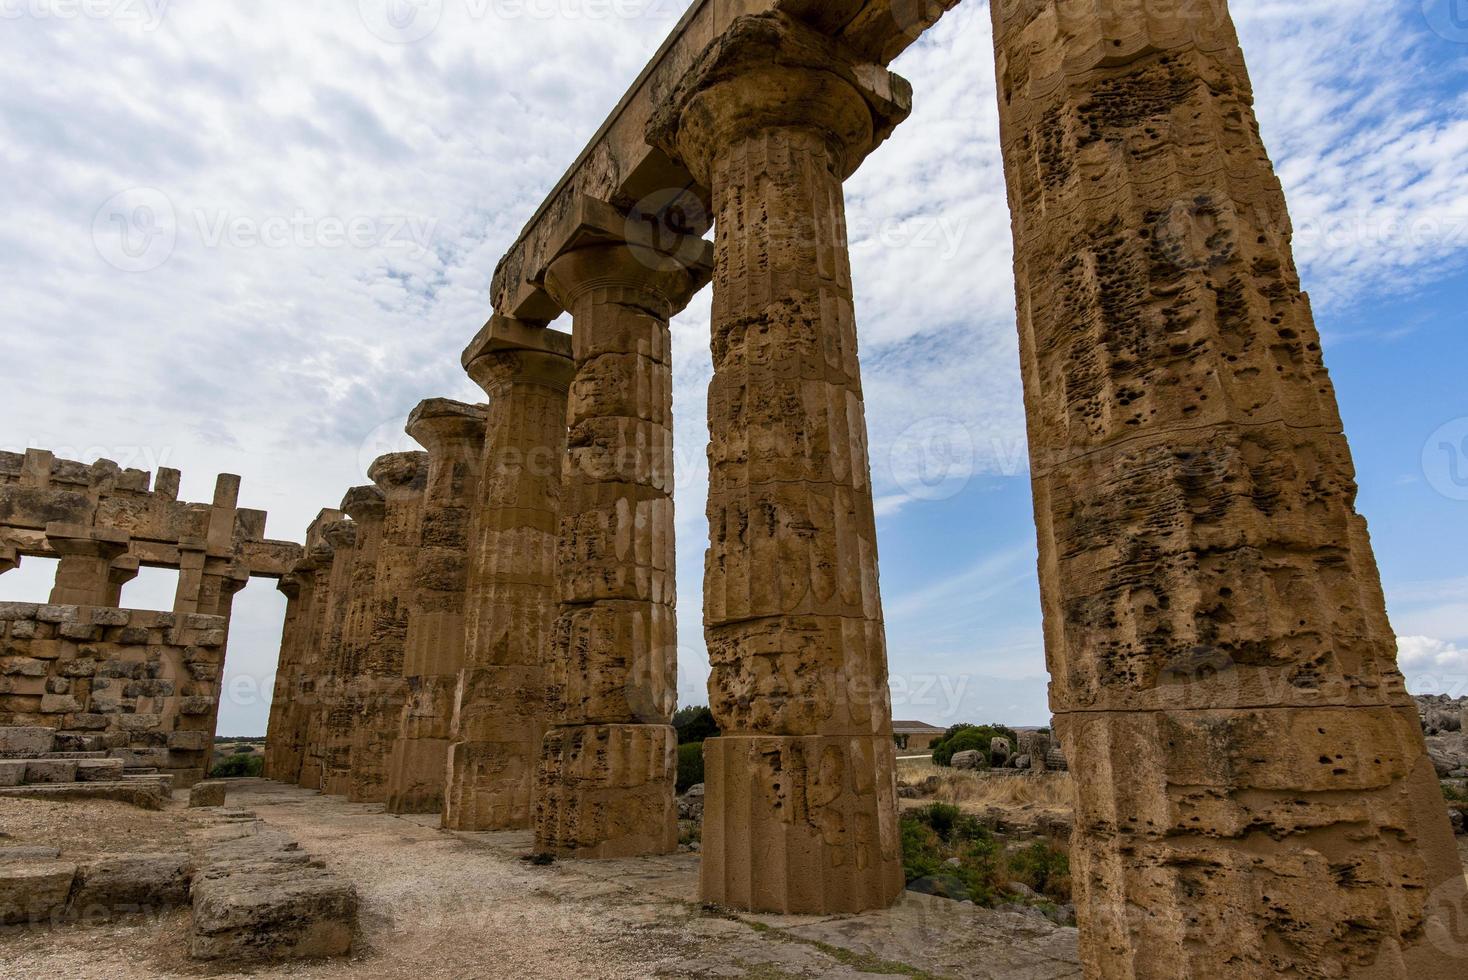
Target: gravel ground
[{"x": 441, "y": 905}]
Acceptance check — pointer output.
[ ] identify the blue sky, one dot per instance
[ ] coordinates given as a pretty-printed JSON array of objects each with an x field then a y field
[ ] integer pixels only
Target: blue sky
[{"x": 327, "y": 196}]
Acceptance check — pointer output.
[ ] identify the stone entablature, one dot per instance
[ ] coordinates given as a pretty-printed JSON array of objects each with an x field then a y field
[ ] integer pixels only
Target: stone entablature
[{"x": 142, "y": 685}]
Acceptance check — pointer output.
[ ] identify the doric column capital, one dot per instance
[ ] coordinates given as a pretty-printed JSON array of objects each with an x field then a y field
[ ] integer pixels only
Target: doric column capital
[
  {"x": 123, "y": 569},
  {"x": 342, "y": 535},
  {"x": 9, "y": 557},
  {"x": 444, "y": 427},
  {"x": 509, "y": 351},
  {"x": 291, "y": 583},
  {"x": 363, "y": 505},
  {"x": 399, "y": 475},
  {"x": 768, "y": 71},
  {"x": 573, "y": 276}
]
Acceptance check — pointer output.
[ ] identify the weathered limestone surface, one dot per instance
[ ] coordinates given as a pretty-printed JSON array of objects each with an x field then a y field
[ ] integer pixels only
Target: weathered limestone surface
[
  {"x": 376, "y": 665},
  {"x": 453, "y": 434},
  {"x": 320, "y": 687},
  {"x": 353, "y": 618},
  {"x": 613, "y": 661},
  {"x": 1253, "y": 790},
  {"x": 499, "y": 713},
  {"x": 800, "y": 812},
  {"x": 119, "y": 679}
]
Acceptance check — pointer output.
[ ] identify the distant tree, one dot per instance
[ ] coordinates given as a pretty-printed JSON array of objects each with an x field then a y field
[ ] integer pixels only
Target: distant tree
[
  {"x": 238, "y": 766},
  {"x": 695, "y": 724},
  {"x": 690, "y": 765}
]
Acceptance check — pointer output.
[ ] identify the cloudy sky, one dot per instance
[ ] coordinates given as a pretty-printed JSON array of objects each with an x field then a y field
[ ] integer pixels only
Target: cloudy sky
[{"x": 251, "y": 237}]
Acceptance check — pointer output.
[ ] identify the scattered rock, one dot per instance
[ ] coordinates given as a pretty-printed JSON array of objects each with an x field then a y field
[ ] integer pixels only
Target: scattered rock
[
  {"x": 129, "y": 884},
  {"x": 207, "y": 793},
  {"x": 34, "y": 891},
  {"x": 273, "y": 914}
]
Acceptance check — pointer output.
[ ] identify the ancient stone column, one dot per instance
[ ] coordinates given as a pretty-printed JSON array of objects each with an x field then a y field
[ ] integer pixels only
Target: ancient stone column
[
  {"x": 282, "y": 755},
  {"x": 800, "y": 809},
  {"x": 605, "y": 786},
  {"x": 321, "y": 688},
  {"x": 377, "y": 664},
  {"x": 499, "y": 701},
  {"x": 83, "y": 574},
  {"x": 1254, "y": 798},
  {"x": 453, "y": 434},
  {"x": 343, "y": 698}
]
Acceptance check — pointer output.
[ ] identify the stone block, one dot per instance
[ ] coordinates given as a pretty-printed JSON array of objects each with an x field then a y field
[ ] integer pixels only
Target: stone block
[
  {"x": 98, "y": 770},
  {"x": 29, "y": 852},
  {"x": 80, "y": 667},
  {"x": 211, "y": 639},
  {"x": 139, "y": 722},
  {"x": 48, "y": 649},
  {"x": 109, "y": 617},
  {"x": 15, "y": 611},
  {"x": 58, "y": 614},
  {"x": 79, "y": 631},
  {"x": 281, "y": 913},
  {"x": 12, "y": 772},
  {"x": 149, "y": 688},
  {"x": 23, "y": 666},
  {"x": 59, "y": 704},
  {"x": 34, "y": 891},
  {"x": 26, "y": 742},
  {"x": 142, "y": 758},
  {"x": 196, "y": 705},
  {"x": 58, "y": 685},
  {"x": 189, "y": 741},
  {"x": 133, "y": 636},
  {"x": 50, "y": 771},
  {"x": 130, "y": 884},
  {"x": 207, "y": 793},
  {"x": 26, "y": 629}
]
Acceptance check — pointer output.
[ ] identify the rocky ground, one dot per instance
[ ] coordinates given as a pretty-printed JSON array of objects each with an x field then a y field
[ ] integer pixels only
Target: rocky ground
[{"x": 437, "y": 904}]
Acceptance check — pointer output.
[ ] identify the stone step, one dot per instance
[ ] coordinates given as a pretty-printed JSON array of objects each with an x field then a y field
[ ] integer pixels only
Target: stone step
[
  {"x": 147, "y": 793},
  {"x": 25, "y": 742},
  {"x": 74, "y": 755},
  {"x": 99, "y": 770}
]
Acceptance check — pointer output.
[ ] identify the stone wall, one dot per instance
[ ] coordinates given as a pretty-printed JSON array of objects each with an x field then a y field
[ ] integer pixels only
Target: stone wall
[{"x": 142, "y": 685}]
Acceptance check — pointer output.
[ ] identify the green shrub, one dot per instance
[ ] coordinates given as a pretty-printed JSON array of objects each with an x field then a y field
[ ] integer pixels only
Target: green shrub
[
  {"x": 238, "y": 766},
  {"x": 695, "y": 725},
  {"x": 690, "y": 765},
  {"x": 963, "y": 738},
  {"x": 1044, "y": 867},
  {"x": 922, "y": 853}
]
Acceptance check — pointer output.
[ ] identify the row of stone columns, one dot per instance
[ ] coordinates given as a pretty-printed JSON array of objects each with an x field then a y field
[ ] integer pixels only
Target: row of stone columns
[{"x": 1194, "y": 497}]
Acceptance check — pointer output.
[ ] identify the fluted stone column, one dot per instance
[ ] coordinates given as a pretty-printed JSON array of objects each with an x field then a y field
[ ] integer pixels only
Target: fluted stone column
[
  {"x": 377, "y": 665},
  {"x": 321, "y": 688},
  {"x": 1254, "y": 799},
  {"x": 453, "y": 434},
  {"x": 499, "y": 701},
  {"x": 800, "y": 808},
  {"x": 84, "y": 569},
  {"x": 344, "y": 699},
  {"x": 605, "y": 786},
  {"x": 282, "y": 756}
]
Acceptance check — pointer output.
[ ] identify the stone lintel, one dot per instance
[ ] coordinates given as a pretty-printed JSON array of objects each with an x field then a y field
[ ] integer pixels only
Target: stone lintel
[
  {"x": 618, "y": 165},
  {"x": 271, "y": 559},
  {"x": 74, "y": 539}
]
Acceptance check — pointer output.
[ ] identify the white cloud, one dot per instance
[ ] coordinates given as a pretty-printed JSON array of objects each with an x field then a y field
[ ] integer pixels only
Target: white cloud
[{"x": 1433, "y": 666}]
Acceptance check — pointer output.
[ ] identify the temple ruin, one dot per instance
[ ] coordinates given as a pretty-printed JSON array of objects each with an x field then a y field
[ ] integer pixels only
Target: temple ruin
[{"x": 487, "y": 630}]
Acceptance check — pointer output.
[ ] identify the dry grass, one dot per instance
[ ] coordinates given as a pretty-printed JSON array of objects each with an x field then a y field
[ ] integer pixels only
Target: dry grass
[{"x": 1020, "y": 798}]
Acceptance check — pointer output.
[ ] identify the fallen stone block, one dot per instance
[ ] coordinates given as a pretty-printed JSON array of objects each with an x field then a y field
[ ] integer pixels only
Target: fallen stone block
[
  {"x": 275, "y": 914},
  {"x": 29, "y": 852},
  {"x": 130, "y": 884},
  {"x": 207, "y": 793},
  {"x": 33, "y": 892},
  {"x": 50, "y": 771}
]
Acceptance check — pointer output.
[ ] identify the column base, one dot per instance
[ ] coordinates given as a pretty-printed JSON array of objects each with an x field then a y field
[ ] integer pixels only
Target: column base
[
  {"x": 606, "y": 791},
  {"x": 491, "y": 785},
  {"x": 416, "y": 773},
  {"x": 801, "y": 825}
]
